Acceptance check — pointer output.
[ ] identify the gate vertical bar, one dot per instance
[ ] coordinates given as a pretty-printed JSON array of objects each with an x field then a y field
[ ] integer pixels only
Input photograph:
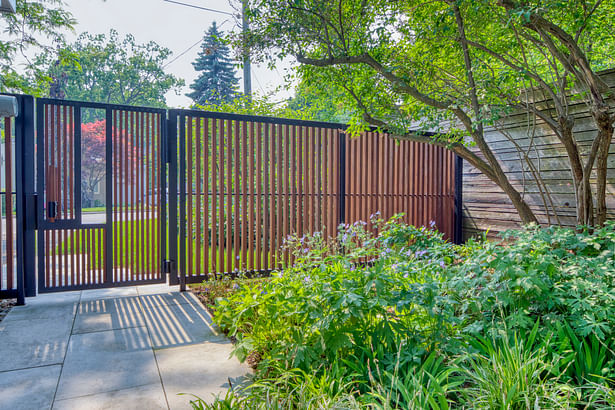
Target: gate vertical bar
[
  {"x": 172, "y": 160},
  {"x": 458, "y": 234},
  {"x": 108, "y": 237},
  {"x": 182, "y": 202},
  {"x": 164, "y": 172}
]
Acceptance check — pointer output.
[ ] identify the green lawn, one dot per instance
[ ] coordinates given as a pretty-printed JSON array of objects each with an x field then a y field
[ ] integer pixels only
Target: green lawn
[{"x": 141, "y": 234}]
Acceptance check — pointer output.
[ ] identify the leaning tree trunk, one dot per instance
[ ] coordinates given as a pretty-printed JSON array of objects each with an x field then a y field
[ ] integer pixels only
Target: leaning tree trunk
[{"x": 604, "y": 123}]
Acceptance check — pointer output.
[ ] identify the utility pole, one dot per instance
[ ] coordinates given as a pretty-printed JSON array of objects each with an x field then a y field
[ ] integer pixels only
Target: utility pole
[{"x": 247, "y": 72}]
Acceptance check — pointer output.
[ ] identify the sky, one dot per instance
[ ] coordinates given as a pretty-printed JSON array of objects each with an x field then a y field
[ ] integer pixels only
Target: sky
[{"x": 175, "y": 27}]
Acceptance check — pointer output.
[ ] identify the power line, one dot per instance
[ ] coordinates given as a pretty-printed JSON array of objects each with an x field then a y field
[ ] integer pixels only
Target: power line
[
  {"x": 189, "y": 48},
  {"x": 199, "y": 7},
  {"x": 183, "y": 52}
]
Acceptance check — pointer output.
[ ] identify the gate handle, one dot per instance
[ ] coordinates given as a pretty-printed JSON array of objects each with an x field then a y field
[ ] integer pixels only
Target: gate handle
[{"x": 52, "y": 209}]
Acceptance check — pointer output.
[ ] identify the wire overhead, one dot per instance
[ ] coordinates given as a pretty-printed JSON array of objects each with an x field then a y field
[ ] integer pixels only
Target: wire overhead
[{"x": 199, "y": 7}]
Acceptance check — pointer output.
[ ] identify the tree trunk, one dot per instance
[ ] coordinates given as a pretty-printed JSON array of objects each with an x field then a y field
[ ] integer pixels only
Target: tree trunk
[{"x": 604, "y": 123}]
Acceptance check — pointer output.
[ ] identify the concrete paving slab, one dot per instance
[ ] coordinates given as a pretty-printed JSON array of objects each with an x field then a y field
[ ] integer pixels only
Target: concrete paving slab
[
  {"x": 156, "y": 289},
  {"x": 29, "y": 388},
  {"x": 41, "y": 311},
  {"x": 36, "y": 342},
  {"x": 179, "y": 325},
  {"x": 108, "y": 314},
  {"x": 136, "y": 398},
  {"x": 169, "y": 298},
  {"x": 108, "y": 293},
  {"x": 48, "y": 299},
  {"x": 106, "y": 361},
  {"x": 202, "y": 369}
]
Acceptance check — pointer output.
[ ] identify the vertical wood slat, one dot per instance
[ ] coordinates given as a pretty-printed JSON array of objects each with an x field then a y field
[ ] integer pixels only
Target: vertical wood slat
[
  {"x": 189, "y": 192},
  {"x": 115, "y": 186},
  {"x": 197, "y": 165},
  {"x": 206, "y": 191},
  {"x": 157, "y": 120}
]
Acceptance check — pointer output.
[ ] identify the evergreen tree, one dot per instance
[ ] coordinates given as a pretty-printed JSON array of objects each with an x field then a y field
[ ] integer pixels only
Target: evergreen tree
[{"x": 217, "y": 82}]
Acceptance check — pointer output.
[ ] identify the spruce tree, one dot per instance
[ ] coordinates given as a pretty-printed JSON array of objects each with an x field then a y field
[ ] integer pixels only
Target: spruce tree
[{"x": 217, "y": 82}]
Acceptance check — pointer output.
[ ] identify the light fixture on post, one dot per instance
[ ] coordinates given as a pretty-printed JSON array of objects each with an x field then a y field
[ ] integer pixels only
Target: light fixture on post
[
  {"x": 8, "y": 106},
  {"x": 7, "y": 6}
]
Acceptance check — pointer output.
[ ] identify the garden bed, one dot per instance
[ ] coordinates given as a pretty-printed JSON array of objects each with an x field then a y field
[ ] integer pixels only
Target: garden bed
[{"x": 404, "y": 319}]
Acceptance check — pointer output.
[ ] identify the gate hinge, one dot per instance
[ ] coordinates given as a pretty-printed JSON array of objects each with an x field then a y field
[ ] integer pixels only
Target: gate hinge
[{"x": 167, "y": 266}]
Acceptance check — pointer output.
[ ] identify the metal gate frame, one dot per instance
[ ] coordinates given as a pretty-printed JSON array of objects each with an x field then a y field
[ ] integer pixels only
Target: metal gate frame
[
  {"x": 29, "y": 189},
  {"x": 76, "y": 223},
  {"x": 178, "y": 181}
]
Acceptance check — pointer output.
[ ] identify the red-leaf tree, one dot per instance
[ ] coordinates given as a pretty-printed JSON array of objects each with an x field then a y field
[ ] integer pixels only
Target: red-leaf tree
[
  {"x": 93, "y": 157},
  {"x": 93, "y": 163}
]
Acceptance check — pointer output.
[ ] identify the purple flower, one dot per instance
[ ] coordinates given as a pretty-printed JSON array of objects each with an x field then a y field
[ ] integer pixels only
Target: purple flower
[
  {"x": 418, "y": 254},
  {"x": 264, "y": 292},
  {"x": 442, "y": 264},
  {"x": 432, "y": 224},
  {"x": 306, "y": 279},
  {"x": 405, "y": 275},
  {"x": 235, "y": 286}
]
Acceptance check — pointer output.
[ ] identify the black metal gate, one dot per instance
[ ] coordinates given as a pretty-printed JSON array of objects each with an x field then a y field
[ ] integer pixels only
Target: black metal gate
[{"x": 101, "y": 184}]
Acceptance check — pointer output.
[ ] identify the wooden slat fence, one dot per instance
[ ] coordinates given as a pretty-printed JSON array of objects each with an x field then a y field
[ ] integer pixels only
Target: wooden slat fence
[{"x": 247, "y": 183}]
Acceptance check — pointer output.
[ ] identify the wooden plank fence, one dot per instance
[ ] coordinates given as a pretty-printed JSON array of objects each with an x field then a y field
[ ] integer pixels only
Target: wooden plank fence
[
  {"x": 246, "y": 183},
  {"x": 487, "y": 208}
]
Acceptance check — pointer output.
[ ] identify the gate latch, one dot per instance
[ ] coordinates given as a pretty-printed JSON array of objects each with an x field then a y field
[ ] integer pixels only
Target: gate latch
[
  {"x": 167, "y": 266},
  {"x": 52, "y": 209}
]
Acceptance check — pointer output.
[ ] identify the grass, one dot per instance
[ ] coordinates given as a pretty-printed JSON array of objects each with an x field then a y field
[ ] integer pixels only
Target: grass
[{"x": 143, "y": 233}]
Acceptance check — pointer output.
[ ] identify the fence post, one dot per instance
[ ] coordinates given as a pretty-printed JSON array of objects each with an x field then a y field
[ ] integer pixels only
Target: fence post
[
  {"x": 172, "y": 161},
  {"x": 25, "y": 206},
  {"x": 458, "y": 235},
  {"x": 109, "y": 254},
  {"x": 341, "y": 218}
]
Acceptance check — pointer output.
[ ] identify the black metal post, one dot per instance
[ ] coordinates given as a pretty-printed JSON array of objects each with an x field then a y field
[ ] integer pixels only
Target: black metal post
[
  {"x": 109, "y": 186},
  {"x": 172, "y": 161},
  {"x": 182, "y": 203},
  {"x": 163, "y": 187},
  {"x": 26, "y": 199},
  {"x": 342, "y": 179},
  {"x": 41, "y": 172},
  {"x": 458, "y": 236}
]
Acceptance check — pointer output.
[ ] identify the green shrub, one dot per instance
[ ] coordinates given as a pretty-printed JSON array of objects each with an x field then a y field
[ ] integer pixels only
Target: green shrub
[{"x": 393, "y": 316}]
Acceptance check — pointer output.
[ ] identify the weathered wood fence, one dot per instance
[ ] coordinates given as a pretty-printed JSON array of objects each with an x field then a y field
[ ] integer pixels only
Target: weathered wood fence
[{"x": 486, "y": 206}]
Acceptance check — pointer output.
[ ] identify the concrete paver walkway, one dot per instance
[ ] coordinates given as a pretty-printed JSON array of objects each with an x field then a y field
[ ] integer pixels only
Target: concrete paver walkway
[{"x": 121, "y": 348}]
